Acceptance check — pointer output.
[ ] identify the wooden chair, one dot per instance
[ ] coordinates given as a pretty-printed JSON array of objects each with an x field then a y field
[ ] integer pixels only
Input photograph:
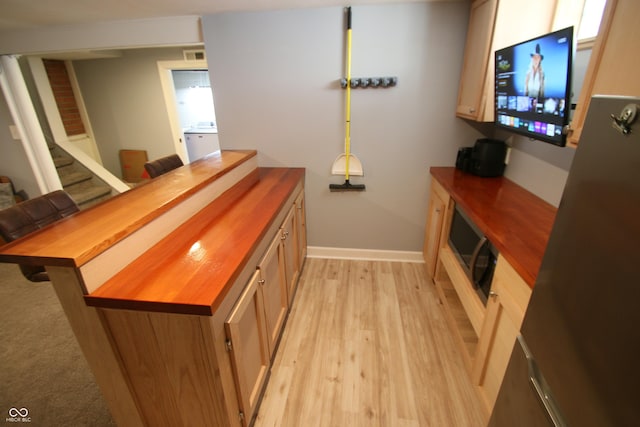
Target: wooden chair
[
  {"x": 163, "y": 165},
  {"x": 32, "y": 215}
]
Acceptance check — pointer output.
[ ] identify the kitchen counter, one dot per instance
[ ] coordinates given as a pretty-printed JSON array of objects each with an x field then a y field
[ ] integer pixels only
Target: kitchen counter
[
  {"x": 80, "y": 238},
  {"x": 191, "y": 270},
  {"x": 516, "y": 221},
  {"x": 127, "y": 271}
]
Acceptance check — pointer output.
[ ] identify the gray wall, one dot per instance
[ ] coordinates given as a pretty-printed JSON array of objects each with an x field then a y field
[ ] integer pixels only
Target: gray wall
[
  {"x": 540, "y": 167},
  {"x": 275, "y": 75},
  {"x": 126, "y": 105}
]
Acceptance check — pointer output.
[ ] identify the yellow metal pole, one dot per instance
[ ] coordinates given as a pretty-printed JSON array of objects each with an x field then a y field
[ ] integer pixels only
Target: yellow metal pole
[{"x": 347, "y": 141}]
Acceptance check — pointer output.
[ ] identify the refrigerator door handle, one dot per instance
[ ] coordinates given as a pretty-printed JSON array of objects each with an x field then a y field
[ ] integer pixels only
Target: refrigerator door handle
[{"x": 542, "y": 389}]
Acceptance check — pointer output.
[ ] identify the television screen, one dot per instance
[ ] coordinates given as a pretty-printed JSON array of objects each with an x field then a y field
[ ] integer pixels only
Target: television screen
[{"x": 533, "y": 86}]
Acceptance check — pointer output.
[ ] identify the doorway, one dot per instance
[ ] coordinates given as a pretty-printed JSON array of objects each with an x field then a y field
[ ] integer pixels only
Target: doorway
[
  {"x": 190, "y": 108},
  {"x": 196, "y": 112}
]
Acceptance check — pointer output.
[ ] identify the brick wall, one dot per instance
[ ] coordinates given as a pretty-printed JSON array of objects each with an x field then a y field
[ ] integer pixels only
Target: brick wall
[{"x": 65, "y": 100}]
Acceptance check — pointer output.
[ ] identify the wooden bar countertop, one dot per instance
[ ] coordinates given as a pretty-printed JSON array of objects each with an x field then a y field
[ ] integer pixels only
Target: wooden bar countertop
[
  {"x": 516, "y": 221},
  {"x": 191, "y": 270},
  {"x": 79, "y": 238}
]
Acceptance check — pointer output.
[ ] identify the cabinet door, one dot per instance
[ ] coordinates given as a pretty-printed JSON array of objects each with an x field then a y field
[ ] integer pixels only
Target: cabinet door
[
  {"x": 614, "y": 62},
  {"x": 476, "y": 58},
  {"x": 288, "y": 236},
  {"x": 493, "y": 25},
  {"x": 301, "y": 228},
  {"x": 247, "y": 339},
  {"x": 505, "y": 311},
  {"x": 433, "y": 229},
  {"x": 274, "y": 292}
]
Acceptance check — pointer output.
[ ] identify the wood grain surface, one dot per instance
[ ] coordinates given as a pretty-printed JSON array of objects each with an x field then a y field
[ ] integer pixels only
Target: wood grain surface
[
  {"x": 367, "y": 344},
  {"x": 80, "y": 237},
  {"x": 191, "y": 269},
  {"x": 515, "y": 220}
]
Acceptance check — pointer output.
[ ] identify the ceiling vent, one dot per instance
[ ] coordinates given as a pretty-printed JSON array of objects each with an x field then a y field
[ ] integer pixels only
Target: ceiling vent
[{"x": 194, "y": 55}]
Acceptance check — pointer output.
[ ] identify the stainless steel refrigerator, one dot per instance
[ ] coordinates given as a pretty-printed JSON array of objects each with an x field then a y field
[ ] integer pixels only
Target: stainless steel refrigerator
[{"x": 576, "y": 362}]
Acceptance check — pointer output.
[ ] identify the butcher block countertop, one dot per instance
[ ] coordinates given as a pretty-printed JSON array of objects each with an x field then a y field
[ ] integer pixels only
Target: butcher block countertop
[
  {"x": 517, "y": 222},
  {"x": 81, "y": 237},
  {"x": 191, "y": 270}
]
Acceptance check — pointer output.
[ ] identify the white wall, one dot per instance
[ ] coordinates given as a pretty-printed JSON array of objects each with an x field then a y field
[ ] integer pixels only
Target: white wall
[{"x": 275, "y": 80}]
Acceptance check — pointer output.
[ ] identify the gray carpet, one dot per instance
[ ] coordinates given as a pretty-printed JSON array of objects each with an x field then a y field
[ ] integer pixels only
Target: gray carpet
[{"x": 41, "y": 365}]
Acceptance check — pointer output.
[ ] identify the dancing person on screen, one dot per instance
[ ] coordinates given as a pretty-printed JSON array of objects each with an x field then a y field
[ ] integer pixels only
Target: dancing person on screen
[{"x": 534, "y": 81}]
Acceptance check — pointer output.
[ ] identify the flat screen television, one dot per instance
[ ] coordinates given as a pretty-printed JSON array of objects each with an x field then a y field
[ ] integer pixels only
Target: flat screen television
[{"x": 533, "y": 86}]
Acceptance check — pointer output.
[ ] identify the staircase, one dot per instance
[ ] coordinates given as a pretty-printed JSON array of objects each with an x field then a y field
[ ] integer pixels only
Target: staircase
[{"x": 84, "y": 187}]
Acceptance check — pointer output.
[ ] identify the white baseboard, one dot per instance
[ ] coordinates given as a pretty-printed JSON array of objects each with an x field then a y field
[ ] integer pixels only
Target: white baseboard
[{"x": 364, "y": 254}]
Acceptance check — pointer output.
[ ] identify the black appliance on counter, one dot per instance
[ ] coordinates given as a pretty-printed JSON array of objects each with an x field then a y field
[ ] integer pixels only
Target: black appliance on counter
[{"x": 486, "y": 158}]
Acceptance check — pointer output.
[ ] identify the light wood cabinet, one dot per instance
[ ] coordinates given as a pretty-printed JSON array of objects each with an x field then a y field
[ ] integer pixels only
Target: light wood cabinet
[
  {"x": 438, "y": 202},
  {"x": 613, "y": 64},
  {"x": 273, "y": 287},
  {"x": 301, "y": 228},
  {"x": 248, "y": 345},
  {"x": 505, "y": 311},
  {"x": 289, "y": 237},
  {"x": 258, "y": 317},
  {"x": 485, "y": 335},
  {"x": 471, "y": 92},
  {"x": 493, "y": 25}
]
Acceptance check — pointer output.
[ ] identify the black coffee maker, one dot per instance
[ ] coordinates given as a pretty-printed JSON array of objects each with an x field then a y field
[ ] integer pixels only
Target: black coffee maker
[{"x": 485, "y": 158}]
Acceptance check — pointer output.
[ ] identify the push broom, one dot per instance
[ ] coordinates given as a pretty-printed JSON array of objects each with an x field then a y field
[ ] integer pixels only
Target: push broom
[{"x": 347, "y": 164}]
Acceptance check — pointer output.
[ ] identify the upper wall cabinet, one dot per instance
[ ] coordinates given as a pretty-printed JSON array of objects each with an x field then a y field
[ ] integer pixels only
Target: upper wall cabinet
[
  {"x": 495, "y": 24},
  {"x": 614, "y": 63}
]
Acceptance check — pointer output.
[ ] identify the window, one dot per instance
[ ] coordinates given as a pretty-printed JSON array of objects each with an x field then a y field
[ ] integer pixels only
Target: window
[{"x": 590, "y": 21}]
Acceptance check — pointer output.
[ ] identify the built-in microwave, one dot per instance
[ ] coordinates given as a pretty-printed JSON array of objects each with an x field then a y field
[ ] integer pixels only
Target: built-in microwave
[{"x": 474, "y": 251}]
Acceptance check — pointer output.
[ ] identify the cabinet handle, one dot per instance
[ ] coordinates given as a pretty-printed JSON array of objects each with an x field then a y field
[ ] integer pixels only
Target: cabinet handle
[
  {"x": 438, "y": 210},
  {"x": 472, "y": 110},
  {"x": 542, "y": 389},
  {"x": 261, "y": 281},
  {"x": 493, "y": 294}
]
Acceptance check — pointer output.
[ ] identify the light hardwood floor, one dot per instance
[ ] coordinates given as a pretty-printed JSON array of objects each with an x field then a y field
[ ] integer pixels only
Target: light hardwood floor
[{"x": 367, "y": 344}]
